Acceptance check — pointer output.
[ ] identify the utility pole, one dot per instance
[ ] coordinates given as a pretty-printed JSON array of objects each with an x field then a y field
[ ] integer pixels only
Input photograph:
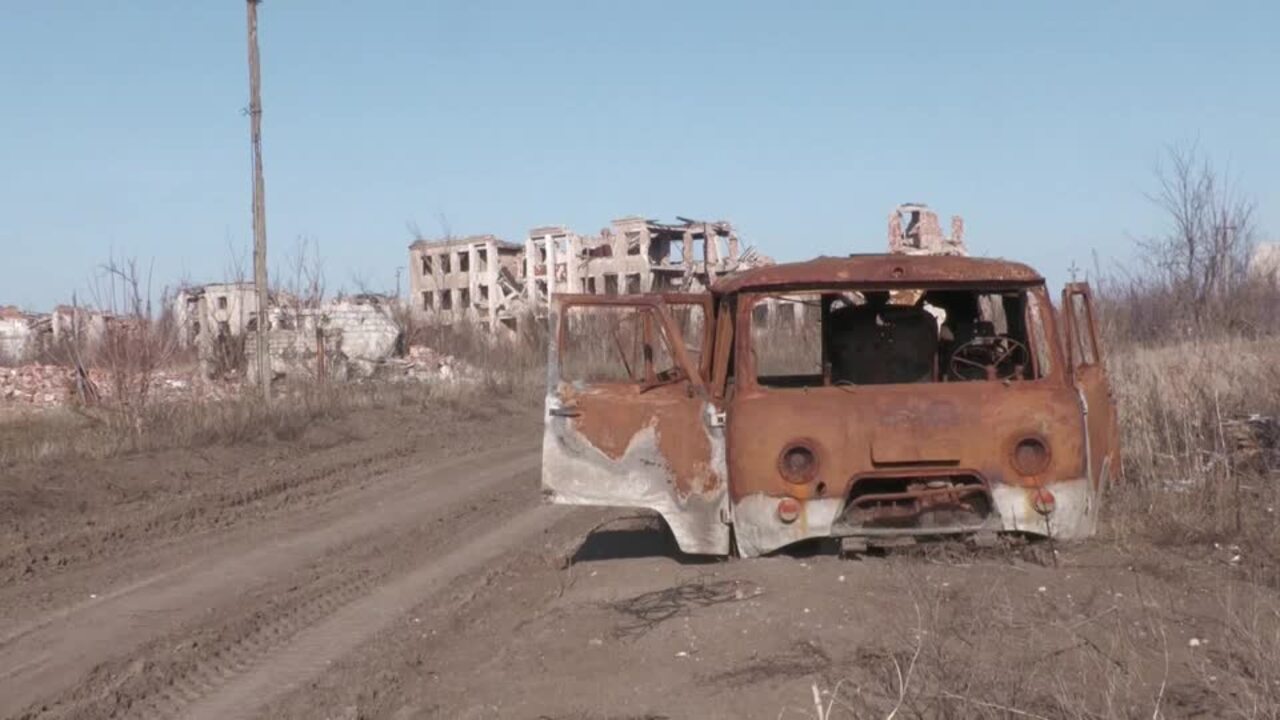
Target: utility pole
[{"x": 259, "y": 203}]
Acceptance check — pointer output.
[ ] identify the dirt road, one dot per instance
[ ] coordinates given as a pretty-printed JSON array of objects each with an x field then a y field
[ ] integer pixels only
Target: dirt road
[{"x": 374, "y": 568}]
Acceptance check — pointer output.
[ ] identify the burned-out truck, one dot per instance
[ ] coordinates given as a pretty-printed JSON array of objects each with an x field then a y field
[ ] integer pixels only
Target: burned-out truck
[{"x": 872, "y": 398}]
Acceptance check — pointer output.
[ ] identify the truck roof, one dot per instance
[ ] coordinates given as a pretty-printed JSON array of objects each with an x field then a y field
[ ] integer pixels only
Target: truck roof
[{"x": 884, "y": 269}]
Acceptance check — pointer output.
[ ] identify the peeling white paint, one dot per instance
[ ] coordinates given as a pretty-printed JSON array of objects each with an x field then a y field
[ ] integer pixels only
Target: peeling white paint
[
  {"x": 758, "y": 530},
  {"x": 1074, "y": 516},
  {"x": 575, "y": 472}
]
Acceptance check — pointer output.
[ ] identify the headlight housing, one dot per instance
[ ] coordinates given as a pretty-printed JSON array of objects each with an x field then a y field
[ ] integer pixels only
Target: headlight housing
[{"x": 1031, "y": 456}]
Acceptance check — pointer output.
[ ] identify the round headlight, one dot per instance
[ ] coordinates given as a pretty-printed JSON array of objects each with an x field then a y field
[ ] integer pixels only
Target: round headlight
[
  {"x": 1030, "y": 456},
  {"x": 798, "y": 463}
]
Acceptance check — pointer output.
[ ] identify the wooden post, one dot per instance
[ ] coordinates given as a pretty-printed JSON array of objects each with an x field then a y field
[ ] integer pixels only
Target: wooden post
[{"x": 259, "y": 203}]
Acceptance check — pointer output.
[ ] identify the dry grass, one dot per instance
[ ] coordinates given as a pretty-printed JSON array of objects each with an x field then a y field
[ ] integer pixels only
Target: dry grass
[
  {"x": 63, "y": 433},
  {"x": 1002, "y": 650},
  {"x": 1186, "y": 481}
]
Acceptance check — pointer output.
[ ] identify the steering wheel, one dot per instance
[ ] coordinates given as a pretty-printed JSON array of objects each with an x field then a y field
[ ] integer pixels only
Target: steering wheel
[{"x": 989, "y": 358}]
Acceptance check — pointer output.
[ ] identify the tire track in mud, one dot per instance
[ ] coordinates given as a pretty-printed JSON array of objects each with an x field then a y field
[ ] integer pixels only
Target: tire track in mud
[
  {"x": 208, "y": 511},
  {"x": 285, "y": 661},
  {"x": 50, "y": 656}
]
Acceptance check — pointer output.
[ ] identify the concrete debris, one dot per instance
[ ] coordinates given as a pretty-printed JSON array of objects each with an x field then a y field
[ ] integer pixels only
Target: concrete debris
[
  {"x": 423, "y": 364},
  {"x": 1254, "y": 441}
]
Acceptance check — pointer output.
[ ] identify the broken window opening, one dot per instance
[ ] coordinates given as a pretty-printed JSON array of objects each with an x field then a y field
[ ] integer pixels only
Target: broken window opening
[
  {"x": 427, "y": 263},
  {"x": 484, "y": 293},
  {"x": 446, "y": 300},
  {"x": 616, "y": 345},
  {"x": 675, "y": 252},
  {"x": 464, "y": 298},
  {"x": 222, "y": 302},
  {"x": 880, "y": 337},
  {"x": 632, "y": 284},
  {"x": 611, "y": 284},
  {"x": 691, "y": 322},
  {"x": 428, "y": 300},
  {"x": 464, "y": 262},
  {"x": 445, "y": 264},
  {"x": 591, "y": 286},
  {"x": 482, "y": 260},
  {"x": 658, "y": 250},
  {"x": 1042, "y": 354}
]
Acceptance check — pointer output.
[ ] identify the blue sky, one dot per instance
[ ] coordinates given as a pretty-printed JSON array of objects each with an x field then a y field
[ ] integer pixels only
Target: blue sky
[{"x": 803, "y": 123}]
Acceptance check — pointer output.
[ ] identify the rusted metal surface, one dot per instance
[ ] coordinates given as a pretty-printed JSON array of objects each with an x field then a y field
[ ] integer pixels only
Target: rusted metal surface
[
  {"x": 1025, "y": 452},
  {"x": 640, "y": 444},
  {"x": 884, "y": 271}
]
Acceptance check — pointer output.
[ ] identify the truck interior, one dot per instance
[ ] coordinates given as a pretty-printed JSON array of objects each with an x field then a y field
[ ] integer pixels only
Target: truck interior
[{"x": 902, "y": 336}]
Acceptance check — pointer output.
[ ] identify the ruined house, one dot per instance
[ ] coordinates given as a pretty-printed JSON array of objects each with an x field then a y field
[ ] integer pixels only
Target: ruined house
[
  {"x": 458, "y": 279},
  {"x": 339, "y": 339},
  {"x": 25, "y": 335},
  {"x": 205, "y": 313}
]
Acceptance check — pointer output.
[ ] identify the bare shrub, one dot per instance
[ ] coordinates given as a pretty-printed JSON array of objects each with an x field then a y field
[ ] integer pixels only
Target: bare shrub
[
  {"x": 134, "y": 345},
  {"x": 1193, "y": 279}
]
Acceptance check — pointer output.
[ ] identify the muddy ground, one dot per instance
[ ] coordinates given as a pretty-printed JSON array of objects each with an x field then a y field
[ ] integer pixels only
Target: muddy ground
[{"x": 390, "y": 565}]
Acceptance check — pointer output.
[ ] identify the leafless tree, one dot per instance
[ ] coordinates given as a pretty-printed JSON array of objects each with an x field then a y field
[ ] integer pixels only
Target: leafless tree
[
  {"x": 135, "y": 346},
  {"x": 1202, "y": 257}
]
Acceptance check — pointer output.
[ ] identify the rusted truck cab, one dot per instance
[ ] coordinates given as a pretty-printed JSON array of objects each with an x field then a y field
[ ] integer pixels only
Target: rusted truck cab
[{"x": 870, "y": 398}]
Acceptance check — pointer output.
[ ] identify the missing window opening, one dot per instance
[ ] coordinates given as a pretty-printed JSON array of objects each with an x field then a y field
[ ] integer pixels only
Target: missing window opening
[{"x": 879, "y": 337}]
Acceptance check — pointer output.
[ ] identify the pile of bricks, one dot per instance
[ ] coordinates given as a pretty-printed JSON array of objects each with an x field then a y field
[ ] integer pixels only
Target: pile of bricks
[
  {"x": 41, "y": 385},
  {"x": 424, "y": 363},
  {"x": 53, "y": 385}
]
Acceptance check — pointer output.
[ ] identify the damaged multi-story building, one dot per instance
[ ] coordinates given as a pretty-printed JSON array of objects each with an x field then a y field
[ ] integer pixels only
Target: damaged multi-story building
[{"x": 494, "y": 283}]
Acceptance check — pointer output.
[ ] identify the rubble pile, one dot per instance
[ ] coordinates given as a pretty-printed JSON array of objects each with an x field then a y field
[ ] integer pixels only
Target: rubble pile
[
  {"x": 423, "y": 364},
  {"x": 42, "y": 385},
  {"x": 52, "y": 385}
]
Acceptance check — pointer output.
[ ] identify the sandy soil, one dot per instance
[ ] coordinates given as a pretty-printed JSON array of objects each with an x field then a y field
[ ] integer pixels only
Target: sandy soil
[{"x": 386, "y": 566}]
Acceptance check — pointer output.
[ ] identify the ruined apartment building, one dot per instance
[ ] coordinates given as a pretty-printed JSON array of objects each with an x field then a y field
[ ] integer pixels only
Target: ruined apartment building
[
  {"x": 475, "y": 278},
  {"x": 455, "y": 279}
]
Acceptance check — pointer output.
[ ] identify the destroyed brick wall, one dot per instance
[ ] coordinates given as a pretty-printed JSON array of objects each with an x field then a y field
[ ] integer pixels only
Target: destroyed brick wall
[
  {"x": 347, "y": 337},
  {"x": 914, "y": 230}
]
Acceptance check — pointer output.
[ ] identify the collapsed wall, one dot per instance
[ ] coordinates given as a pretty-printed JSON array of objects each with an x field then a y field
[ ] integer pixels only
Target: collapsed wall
[{"x": 914, "y": 230}]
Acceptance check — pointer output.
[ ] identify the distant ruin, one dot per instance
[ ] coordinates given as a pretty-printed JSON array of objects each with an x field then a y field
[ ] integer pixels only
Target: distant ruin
[
  {"x": 922, "y": 234},
  {"x": 492, "y": 282}
]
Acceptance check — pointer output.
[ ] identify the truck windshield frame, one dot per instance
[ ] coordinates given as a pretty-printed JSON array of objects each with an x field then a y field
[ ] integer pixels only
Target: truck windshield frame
[{"x": 857, "y": 335}]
